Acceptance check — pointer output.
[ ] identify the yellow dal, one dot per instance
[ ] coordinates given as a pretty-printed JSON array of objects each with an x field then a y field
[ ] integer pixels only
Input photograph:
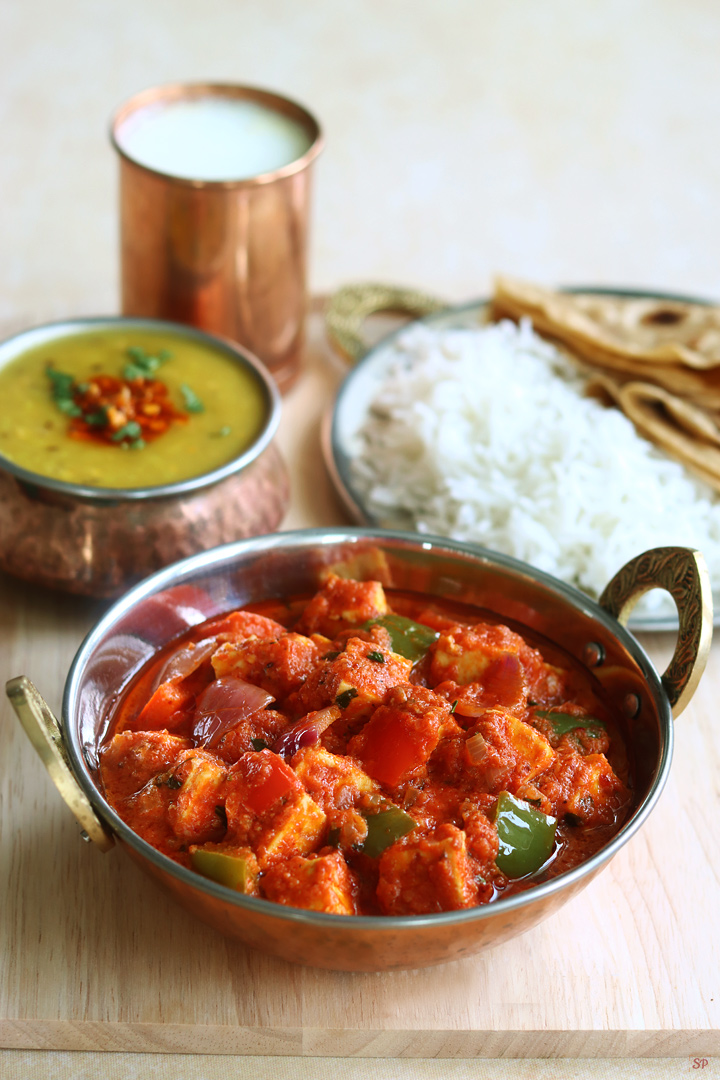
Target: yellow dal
[{"x": 33, "y": 431}]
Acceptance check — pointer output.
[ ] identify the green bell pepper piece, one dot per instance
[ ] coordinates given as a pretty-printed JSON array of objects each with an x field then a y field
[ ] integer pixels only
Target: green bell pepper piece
[
  {"x": 384, "y": 829},
  {"x": 409, "y": 638},
  {"x": 230, "y": 870},
  {"x": 563, "y": 722},
  {"x": 526, "y": 836}
]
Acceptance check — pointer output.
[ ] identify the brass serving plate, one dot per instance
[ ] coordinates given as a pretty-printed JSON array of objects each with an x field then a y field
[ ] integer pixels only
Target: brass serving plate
[{"x": 345, "y": 318}]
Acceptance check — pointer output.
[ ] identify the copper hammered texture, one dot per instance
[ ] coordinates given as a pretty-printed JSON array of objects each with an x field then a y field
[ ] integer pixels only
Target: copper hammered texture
[{"x": 96, "y": 549}]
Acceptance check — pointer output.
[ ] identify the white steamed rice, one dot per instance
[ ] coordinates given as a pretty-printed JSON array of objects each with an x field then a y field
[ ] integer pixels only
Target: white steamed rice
[{"x": 485, "y": 435}]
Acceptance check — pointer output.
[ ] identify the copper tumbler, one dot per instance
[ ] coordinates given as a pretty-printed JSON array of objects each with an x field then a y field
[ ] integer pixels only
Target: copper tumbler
[{"x": 214, "y": 207}]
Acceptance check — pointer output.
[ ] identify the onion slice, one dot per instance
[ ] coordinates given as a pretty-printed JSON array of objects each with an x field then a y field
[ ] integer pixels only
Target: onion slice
[
  {"x": 307, "y": 731},
  {"x": 187, "y": 660},
  {"x": 223, "y": 704},
  {"x": 468, "y": 707},
  {"x": 476, "y": 748}
]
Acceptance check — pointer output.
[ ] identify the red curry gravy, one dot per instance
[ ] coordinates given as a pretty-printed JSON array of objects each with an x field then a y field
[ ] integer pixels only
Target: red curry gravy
[{"x": 364, "y": 752}]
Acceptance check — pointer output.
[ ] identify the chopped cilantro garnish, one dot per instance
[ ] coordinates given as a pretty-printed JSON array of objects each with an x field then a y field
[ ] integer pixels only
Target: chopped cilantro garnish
[
  {"x": 191, "y": 400},
  {"x": 259, "y": 744},
  {"x": 63, "y": 391},
  {"x": 131, "y": 430},
  {"x": 97, "y": 419},
  {"x": 344, "y": 699},
  {"x": 132, "y": 372},
  {"x": 68, "y": 406},
  {"x": 63, "y": 385},
  {"x": 562, "y": 723},
  {"x": 143, "y": 364},
  {"x": 377, "y": 657}
]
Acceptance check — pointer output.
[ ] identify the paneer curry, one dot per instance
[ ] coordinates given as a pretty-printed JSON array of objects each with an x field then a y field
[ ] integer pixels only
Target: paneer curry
[{"x": 365, "y": 752}]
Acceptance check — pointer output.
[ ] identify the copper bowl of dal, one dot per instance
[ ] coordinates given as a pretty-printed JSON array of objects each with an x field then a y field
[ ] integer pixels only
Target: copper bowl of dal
[{"x": 95, "y": 540}]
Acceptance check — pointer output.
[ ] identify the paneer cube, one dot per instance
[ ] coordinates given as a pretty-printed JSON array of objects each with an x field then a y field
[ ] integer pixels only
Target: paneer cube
[
  {"x": 265, "y": 725},
  {"x": 481, "y": 834},
  {"x": 193, "y": 815},
  {"x": 268, "y": 808},
  {"x": 427, "y": 874},
  {"x": 334, "y": 782},
  {"x": 132, "y": 758},
  {"x": 466, "y": 653},
  {"x": 296, "y": 830},
  {"x": 279, "y": 665},
  {"x": 585, "y": 787},
  {"x": 341, "y": 604},
  {"x": 151, "y": 780},
  {"x": 354, "y": 679},
  {"x": 499, "y": 662},
  {"x": 510, "y": 752},
  {"x": 320, "y": 884},
  {"x": 146, "y": 812}
]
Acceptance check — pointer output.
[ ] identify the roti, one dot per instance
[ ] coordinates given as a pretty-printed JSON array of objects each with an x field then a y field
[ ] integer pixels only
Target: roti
[
  {"x": 657, "y": 360},
  {"x": 642, "y": 329}
]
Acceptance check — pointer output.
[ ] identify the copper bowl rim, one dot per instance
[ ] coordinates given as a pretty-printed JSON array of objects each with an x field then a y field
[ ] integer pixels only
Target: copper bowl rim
[
  {"x": 172, "y": 92},
  {"x": 301, "y": 539},
  {"x": 12, "y": 348}
]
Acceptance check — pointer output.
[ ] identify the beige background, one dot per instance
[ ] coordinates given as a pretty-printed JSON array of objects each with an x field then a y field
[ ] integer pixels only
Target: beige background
[{"x": 571, "y": 141}]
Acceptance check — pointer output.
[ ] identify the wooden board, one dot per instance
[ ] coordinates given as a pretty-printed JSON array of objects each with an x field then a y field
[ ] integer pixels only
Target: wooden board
[{"x": 96, "y": 958}]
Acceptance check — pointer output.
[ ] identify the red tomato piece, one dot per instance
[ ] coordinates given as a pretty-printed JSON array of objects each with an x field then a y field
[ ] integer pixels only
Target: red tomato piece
[
  {"x": 402, "y": 733},
  {"x": 172, "y": 703},
  {"x": 267, "y": 780},
  {"x": 341, "y": 604},
  {"x": 238, "y": 625},
  {"x": 166, "y": 709}
]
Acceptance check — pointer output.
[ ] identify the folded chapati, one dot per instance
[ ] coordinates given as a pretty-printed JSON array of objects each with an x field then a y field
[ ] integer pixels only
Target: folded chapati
[
  {"x": 642, "y": 329},
  {"x": 684, "y": 431},
  {"x": 657, "y": 360}
]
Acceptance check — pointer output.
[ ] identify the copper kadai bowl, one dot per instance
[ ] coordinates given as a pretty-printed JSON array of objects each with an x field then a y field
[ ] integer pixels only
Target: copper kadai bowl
[
  {"x": 97, "y": 541},
  {"x": 294, "y": 563}
]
